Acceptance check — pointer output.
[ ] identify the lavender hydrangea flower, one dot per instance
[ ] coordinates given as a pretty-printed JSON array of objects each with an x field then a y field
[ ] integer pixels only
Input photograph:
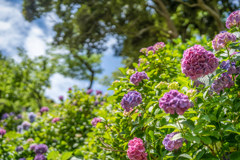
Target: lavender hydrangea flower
[
  {"x": 32, "y": 147},
  {"x": 5, "y": 116},
  {"x": 159, "y": 45},
  {"x": 44, "y": 109},
  {"x": 19, "y": 148},
  {"x": 40, "y": 157},
  {"x": 31, "y": 117},
  {"x": 222, "y": 39},
  {"x": 198, "y": 62},
  {"x": 19, "y": 116},
  {"x": 224, "y": 81},
  {"x": 60, "y": 98},
  {"x": 137, "y": 77},
  {"x": 172, "y": 144},
  {"x": 2, "y": 132},
  {"x": 26, "y": 125},
  {"x": 12, "y": 114},
  {"x": 41, "y": 148},
  {"x": 136, "y": 149},
  {"x": 98, "y": 92},
  {"x": 174, "y": 101},
  {"x": 56, "y": 119},
  {"x": 233, "y": 19},
  {"x": 22, "y": 159},
  {"x": 89, "y": 91},
  {"x": 95, "y": 121},
  {"x": 130, "y": 100}
]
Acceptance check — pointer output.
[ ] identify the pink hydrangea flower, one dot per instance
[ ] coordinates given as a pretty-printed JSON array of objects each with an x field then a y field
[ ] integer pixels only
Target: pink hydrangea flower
[
  {"x": 174, "y": 101},
  {"x": 30, "y": 140},
  {"x": 198, "y": 62},
  {"x": 222, "y": 39},
  {"x": 2, "y": 132},
  {"x": 137, "y": 77},
  {"x": 136, "y": 149},
  {"x": 95, "y": 121},
  {"x": 233, "y": 19},
  {"x": 44, "y": 109},
  {"x": 172, "y": 144},
  {"x": 56, "y": 119},
  {"x": 159, "y": 45}
]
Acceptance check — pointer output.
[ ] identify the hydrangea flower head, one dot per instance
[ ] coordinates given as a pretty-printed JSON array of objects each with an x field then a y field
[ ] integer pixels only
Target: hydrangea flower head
[
  {"x": 26, "y": 125},
  {"x": 22, "y": 159},
  {"x": 151, "y": 48},
  {"x": 173, "y": 85},
  {"x": 198, "y": 62},
  {"x": 233, "y": 19},
  {"x": 40, "y": 157},
  {"x": 44, "y": 109},
  {"x": 191, "y": 93},
  {"x": 130, "y": 100},
  {"x": 56, "y": 119},
  {"x": 89, "y": 91},
  {"x": 31, "y": 117},
  {"x": 2, "y": 132},
  {"x": 60, "y": 98},
  {"x": 130, "y": 71},
  {"x": 137, "y": 77},
  {"x": 172, "y": 144},
  {"x": 136, "y": 149},
  {"x": 224, "y": 81},
  {"x": 95, "y": 121},
  {"x": 19, "y": 148},
  {"x": 41, "y": 148},
  {"x": 32, "y": 147},
  {"x": 162, "y": 85},
  {"x": 174, "y": 101},
  {"x": 5, "y": 116},
  {"x": 222, "y": 39},
  {"x": 12, "y": 114},
  {"x": 159, "y": 45},
  {"x": 19, "y": 116},
  {"x": 197, "y": 83},
  {"x": 98, "y": 92},
  {"x": 30, "y": 140}
]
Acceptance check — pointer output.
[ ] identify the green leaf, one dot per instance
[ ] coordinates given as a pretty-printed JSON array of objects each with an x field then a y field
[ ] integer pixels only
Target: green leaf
[
  {"x": 160, "y": 115},
  {"x": 206, "y": 139},
  {"x": 134, "y": 129},
  {"x": 66, "y": 155},
  {"x": 183, "y": 81},
  {"x": 134, "y": 116},
  {"x": 200, "y": 154},
  {"x": 168, "y": 126},
  {"x": 235, "y": 156},
  {"x": 149, "y": 120},
  {"x": 177, "y": 136},
  {"x": 53, "y": 155},
  {"x": 185, "y": 156},
  {"x": 189, "y": 123},
  {"x": 122, "y": 70},
  {"x": 151, "y": 134},
  {"x": 190, "y": 137},
  {"x": 206, "y": 117}
]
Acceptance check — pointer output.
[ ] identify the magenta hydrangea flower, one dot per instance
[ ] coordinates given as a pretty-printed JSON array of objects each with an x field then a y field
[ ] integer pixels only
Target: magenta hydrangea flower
[
  {"x": 136, "y": 149},
  {"x": 89, "y": 91},
  {"x": 56, "y": 119},
  {"x": 32, "y": 147},
  {"x": 2, "y": 132},
  {"x": 172, "y": 144},
  {"x": 137, "y": 77},
  {"x": 233, "y": 19},
  {"x": 224, "y": 81},
  {"x": 198, "y": 62},
  {"x": 95, "y": 121},
  {"x": 40, "y": 157},
  {"x": 174, "y": 101},
  {"x": 130, "y": 100},
  {"x": 44, "y": 109},
  {"x": 222, "y": 39},
  {"x": 98, "y": 92},
  {"x": 40, "y": 149},
  {"x": 159, "y": 45}
]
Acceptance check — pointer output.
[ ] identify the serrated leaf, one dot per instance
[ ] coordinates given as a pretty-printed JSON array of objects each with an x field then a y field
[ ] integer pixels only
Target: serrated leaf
[
  {"x": 66, "y": 155},
  {"x": 189, "y": 123}
]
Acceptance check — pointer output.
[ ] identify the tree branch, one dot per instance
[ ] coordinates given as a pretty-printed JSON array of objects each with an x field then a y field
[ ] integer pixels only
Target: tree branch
[{"x": 187, "y": 4}]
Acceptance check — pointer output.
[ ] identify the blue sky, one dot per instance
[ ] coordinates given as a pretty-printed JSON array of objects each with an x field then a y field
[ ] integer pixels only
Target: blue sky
[{"x": 15, "y": 31}]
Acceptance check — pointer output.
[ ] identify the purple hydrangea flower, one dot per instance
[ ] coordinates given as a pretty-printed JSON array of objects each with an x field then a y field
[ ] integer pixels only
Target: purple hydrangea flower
[
  {"x": 44, "y": 109},
  {"x": 26, "y": 125},
  {"x": 5, "y": 116},
  {"x": 22, "y": 159},
  {"x": 233, "y": 19},
  {"x": 226, "y": 64},
  {"x": 89, "y": 91},
  {"x": 60, "y": 98},
  {"x": 130, "y": 100},
  {"x": 98, "y": 92},
  {"x": 224, "y": 81},
  {"x": 136, "y": 149},
  {"x": 230, "y": 68},
  {"x": 198, "y": 62},
  {"x": 41, "y": 148},
  {"x": 19, "y": 148},
  {"x": 2, "y": 132},
  {"x": 172, "y": 144},
  {"x": 159, "y": 45},
  {"x": 95, "y": 121},
  {"x": 31, "y": 117},
  {"x": 197, "y": 83},
  {"x": 19, "y": 116},
  {"x": 174, "y": 101},
  {"x": 137, "y": 77},
  {"x": 222, "y": 39},
  {"x": 40, "y": 157},
  {"x": 151, "y": 48},
  {"x": 12, "y": 114},
  {"x": 56, "y": 119},
  {"x": 32, "y": 147},
  {"x": 96, "y": 103}
]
